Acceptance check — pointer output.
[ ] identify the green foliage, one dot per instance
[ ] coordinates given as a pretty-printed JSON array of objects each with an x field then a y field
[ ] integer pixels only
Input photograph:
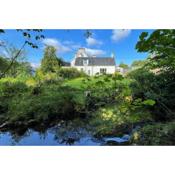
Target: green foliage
[
  {"x": 52, "y": 102},
  {"x": 123, "y": 65},
  {"x": 13, "y": 63},
  {"x": 149, "y": 102},
  {"x": 20, "y": 69},
  {"x": 105, "y": 120},
  {"x": 3, "y": 64},
  {"x": 70, "y": 73},
  {"x": 138, "y": 64},
  {"x": 118, "y": 118},
  {"x": 159, "y": 85},
  {"x": 114, "y": 104},
  {"x": 160, "y": 44},
  {"x": 144, "y": 80},
  {"x": 76, "y": 83},
  {"x": 117, "y": 76},
  {"x": 47, "y": 78},
  {"x": 10, "y": 88},
  {"x": 50, "y": 61},
  {"x": 100, "y": 91},
  {"x": 155, "y": 134}
]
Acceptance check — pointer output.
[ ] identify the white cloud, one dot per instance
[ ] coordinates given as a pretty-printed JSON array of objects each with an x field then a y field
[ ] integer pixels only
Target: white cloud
[
  {"x": 35, "y": 65},
  {"x": 69, "y": 46},
  {"x": 61, "y": 48},
  {"x": 96, "y": 52},
  {"x": 93, "y": 42},
  {"x": 67, "y": 42},
  {"x": 75, "y": 46},
  {"x": 120, "y": 34}
]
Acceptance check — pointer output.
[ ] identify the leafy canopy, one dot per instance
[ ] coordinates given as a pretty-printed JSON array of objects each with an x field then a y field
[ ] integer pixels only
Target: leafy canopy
[
  {"x": 123, "y": 65},
  {"x": 50, "y": 61},
  {"x": 161, "y": 46}
]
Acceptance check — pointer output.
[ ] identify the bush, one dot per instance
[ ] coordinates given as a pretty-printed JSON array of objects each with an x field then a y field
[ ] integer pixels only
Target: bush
[
  {"x": 105, "y": 120},
  {"x": 69, "y": 73},
  {"x": 10, "y": 87},
  {"x": 116, "y": 118},
  {"x": 47, "y": 78},
  {"x": 158, "y": 87},
  {"x": 155, "y": 134},
  {"x": 106, "y": 90},
  {"x": 52, "y": 102}
]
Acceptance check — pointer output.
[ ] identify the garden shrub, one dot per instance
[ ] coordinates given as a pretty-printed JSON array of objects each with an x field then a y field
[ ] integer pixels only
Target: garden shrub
[
  {"x": 10, "y": 87},
  {"x": 157, "y": 87},
  {"x": 69, "y": 73},
  {"x": 155, "y": 134},
  {"x": 52, "y": 102}
]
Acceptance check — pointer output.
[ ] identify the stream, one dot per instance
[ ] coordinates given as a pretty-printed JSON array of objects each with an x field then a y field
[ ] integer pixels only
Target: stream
[{"x": 66, "y": 133}]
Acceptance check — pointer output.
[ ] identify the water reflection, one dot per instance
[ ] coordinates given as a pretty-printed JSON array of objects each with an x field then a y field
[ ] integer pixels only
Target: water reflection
[{"x": 75, "y": 132}]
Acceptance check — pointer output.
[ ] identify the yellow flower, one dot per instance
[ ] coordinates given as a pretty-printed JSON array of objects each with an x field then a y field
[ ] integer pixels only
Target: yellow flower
[
  {"x": 136, "y": 136},
  {"x": 128, "y": 98}
]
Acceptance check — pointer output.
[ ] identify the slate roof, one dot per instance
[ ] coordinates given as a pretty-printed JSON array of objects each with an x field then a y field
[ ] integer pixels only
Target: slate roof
[
  {"x": 64, "y": 63},
  {"x": 95, "y": 61}
]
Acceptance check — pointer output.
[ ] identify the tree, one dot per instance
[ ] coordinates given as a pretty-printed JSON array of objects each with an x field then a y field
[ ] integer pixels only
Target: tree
[
  {"x": 138, "y": 63},
  {"x": 25, "y": 69},
  {"x": 161, "y": 46},
  {"x": 50, "y": 61},
  {"x": 3, "y": 64},
  {"x": 18, "y": 66},
  {"x": 30, "y": 36},
  {"x": 123, "y": 65},
  {"x": 9, "y": 53}
]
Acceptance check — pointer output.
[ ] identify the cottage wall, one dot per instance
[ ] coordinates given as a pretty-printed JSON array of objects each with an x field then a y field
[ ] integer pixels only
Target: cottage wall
[{"x": 93, "y": 70}]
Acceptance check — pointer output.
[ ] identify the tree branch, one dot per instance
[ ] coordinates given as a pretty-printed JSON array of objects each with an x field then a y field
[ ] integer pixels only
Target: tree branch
[{"x": 13, "y": 60}]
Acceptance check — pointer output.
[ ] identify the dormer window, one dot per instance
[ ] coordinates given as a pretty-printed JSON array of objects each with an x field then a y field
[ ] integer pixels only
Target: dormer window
[{"x": 85, "y": 62}]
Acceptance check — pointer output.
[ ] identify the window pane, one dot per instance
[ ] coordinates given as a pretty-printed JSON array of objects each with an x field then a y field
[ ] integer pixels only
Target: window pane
[{"x": 102, "y": 70}]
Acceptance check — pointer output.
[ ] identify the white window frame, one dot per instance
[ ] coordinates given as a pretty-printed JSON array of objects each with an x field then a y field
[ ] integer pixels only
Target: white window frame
[{"x": 103, "y": 70}]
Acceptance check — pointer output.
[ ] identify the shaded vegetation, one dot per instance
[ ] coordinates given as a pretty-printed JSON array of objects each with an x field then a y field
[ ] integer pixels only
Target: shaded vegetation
[{"x": 155, "y": 134}]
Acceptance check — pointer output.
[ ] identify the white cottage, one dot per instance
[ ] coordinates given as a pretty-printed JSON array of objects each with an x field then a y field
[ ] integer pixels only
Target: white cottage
[{"x": 93, "y": 65}]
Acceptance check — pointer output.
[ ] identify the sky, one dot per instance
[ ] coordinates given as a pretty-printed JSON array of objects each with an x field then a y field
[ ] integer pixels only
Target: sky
[{"x": 102, "y": 43}]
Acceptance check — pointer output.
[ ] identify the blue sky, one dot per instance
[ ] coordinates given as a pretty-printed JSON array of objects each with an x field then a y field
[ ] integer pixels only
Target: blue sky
[{"x": 101, "y": 43}]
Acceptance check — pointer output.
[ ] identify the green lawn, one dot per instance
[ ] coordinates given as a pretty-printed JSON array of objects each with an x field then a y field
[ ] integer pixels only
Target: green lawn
[{"x": 75, "y": 83}]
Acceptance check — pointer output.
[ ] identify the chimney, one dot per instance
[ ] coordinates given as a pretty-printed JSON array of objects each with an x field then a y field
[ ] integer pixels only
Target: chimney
[{"x": 81, "y": 52}]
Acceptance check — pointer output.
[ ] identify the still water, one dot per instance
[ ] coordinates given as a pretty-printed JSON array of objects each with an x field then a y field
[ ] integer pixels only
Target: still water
[{"x": 70, "y": 133}]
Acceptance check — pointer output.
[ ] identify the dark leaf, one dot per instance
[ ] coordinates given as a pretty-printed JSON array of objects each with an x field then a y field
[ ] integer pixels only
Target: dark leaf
[
  {"x": 2, "y": 31},
  {"x": 37, "y": 37},
  {"x": 42, "y": 36},
  {"x": 25, "y": 33}
]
